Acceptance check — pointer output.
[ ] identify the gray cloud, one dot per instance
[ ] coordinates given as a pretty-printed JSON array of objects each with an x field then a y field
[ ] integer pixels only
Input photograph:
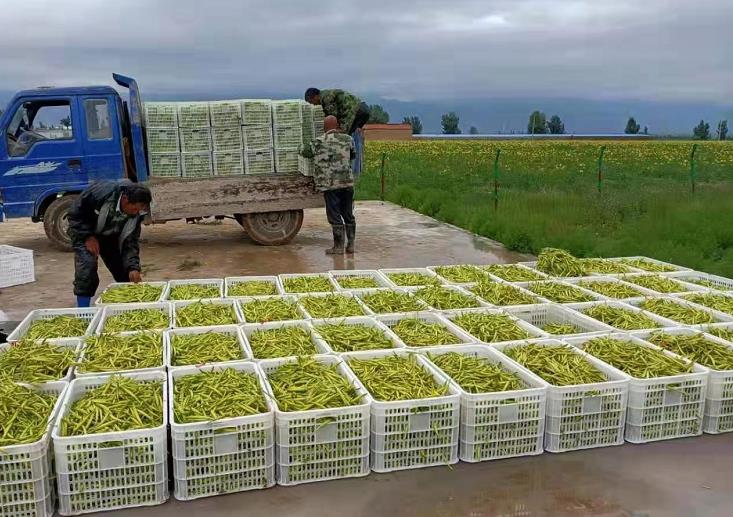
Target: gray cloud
[{"x": 597, "y": 49}]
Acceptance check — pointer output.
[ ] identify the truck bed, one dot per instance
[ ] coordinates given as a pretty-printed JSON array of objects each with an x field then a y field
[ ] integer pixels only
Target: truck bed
[{"x": 178, "y": 198}]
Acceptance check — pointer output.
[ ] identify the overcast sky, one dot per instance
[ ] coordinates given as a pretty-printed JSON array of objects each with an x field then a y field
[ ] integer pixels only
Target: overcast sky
[{"x": 413, "y": 51}]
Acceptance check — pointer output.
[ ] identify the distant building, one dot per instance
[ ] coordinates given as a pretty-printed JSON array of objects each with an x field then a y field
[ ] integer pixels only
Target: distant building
[{"x": 388, "y": 132}]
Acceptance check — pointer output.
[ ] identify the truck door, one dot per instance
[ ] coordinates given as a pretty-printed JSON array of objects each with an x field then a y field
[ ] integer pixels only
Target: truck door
[
  {"x": 102, "y": 142},
  {"x": 41, "y": 152}
]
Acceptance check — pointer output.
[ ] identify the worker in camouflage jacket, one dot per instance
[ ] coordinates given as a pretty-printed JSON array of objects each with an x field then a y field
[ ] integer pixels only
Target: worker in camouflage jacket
[
  {"x": 332, "y": 175},
  {"x": 105, "y": 222},
  {"x": 351, "y": 112}
]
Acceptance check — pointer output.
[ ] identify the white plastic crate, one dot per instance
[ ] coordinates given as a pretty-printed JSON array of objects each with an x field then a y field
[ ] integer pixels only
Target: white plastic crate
[
  {"x": 416, "y": 271},
  {"x": 584, "y": 416},
  {"x": 684, "y": 287},
  {"x": 234, "y": 280},
  {"x": 378, "y": 279},
  {"x": 226, "y": 138},
  {"x": 285, "y": 277},
  {"x": 286, "y": 113},
  {"x": 250, "y": 328},
  {"x": 366, "y": 292},
  {"x": 305, "y": 165},
  {"x": 307, "y": 128},
  {"x": 16, "y": 266},
  {"x": 197, "y": 165},
  {"x": 365, "y": 311},
  {"x": 717, "y": 316},
  {"x": 209, "y": 282},
  {"x": 355, "y": 321},
  {"x": 257, "y": 137},
  {"x": 286, "y": 160},
  {"x": 90, "y": 314},
  {"x": 724, "y": 316},
  {"x": 716, "y": 283},
  {"x": 253, "y": 299},
  {"x": 642, "y": 291},
  {"x": 661, "y": 322},
  {"x": 662, "y": 408},
  {"x": 110, "y": 471},
  {"x": 532, "y": 331},
  {"x": 228, "y": 163},
  {"x": 225, "y": 113},
  {"x": 161, "y": 114},
  {"x": 161, "y": 367},
  {"x": 256, "y": 112},
  {"x": 287, "y": 137},
  {"x": 195, "y": 139},
  {"x": 26, "y": 471},
  {"x": 546, "y": 313},
  {"x": 113, "y": 310},
  {"x": 461, "y": 337},
  {"x": 162, "y": 285},
  {"x": 259, "y": 162},
  {"x": 458, "y": 290},
  {"x": 234, "y": 330},
  {"x": 516, "y": 287},
  {"x": 407, "y": 434},
  {"x": 177, "y": 306},
  {"x": 499, "y": 424},
  {"x": 165, "y": 165},
  {"x": 500, "y": 278},
  {"x": 654, "y": 261},
  {"x": 222, "y": 456},
  {"x": 163, "y": 139},
  {"x": 481, "y": 274},
  {"x": 193, "y": 114},
  {"x": 719, "y": 396},
  {"x": 322, "y": 444}
]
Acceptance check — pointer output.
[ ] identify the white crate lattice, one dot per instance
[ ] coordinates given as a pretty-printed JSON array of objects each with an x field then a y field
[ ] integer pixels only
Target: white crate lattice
[{"x": 16, "y": 266}]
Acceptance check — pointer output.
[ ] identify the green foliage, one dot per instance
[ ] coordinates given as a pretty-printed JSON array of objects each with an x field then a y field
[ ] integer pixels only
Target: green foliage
[
  {"x": 449, "y": 123},
  {"x": 549, "y": 197},
  {"x": 702, "y": 131},
  {"x": 722, "y": 131},
  {"x": 537, "y": 124},
  {"x": 473, "y": 130},
  {"x": 415, "y": 122},
  {"x": 377, "y": 115},
  {"x": 556, "y": 126},
  {"x": 632, "y": 128}
]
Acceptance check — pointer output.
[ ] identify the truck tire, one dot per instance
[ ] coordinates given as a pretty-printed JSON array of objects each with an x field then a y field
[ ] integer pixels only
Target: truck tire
[
  {"x": 56, "y": 224},
  {"x": 272, "y": 228}
]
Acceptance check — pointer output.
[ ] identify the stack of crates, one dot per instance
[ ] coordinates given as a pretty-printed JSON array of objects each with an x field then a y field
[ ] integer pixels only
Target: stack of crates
[
  {"x": 312, "y": 129},
  {"x": 162, "y": 136},
  {"x": 194, "y": 128},
  {"x": 287, "y": 127},
  {"x": 257, "y": 136},
  {"x": 226, "y": 133}
]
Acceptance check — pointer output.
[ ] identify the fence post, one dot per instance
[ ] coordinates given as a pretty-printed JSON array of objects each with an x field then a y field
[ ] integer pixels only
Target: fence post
[
  {"x": 496, "y": 179},
  {"x": 600, "y": 167},
  {"x": 381, "y": 175},
  {"x": 693, "y": 170}
]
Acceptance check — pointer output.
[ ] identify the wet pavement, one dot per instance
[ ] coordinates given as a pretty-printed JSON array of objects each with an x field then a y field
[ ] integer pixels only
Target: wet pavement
[
  {"x": 688, "y": 477},
  {"x": 387, "y": 236}
]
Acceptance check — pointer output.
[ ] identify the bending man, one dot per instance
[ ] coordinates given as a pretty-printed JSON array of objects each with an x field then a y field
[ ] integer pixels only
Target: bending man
[{"x": 105, "y": 222}]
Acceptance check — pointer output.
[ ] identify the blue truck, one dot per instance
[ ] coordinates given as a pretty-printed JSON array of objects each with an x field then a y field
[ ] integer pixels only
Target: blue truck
[{"x": 102, "y": 137}]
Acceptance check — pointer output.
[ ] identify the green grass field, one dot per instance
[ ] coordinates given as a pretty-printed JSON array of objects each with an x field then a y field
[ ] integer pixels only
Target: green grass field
[{"x": 548, "y": 195}]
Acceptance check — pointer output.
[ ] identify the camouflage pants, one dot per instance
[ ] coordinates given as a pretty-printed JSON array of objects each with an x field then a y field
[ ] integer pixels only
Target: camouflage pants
[{"x": 340, "y": 206}]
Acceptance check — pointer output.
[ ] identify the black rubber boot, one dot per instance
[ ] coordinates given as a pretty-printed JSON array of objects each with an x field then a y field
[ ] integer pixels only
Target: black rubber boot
[
  {"x": 350, "y": 237},
  {"x": 338, "y": 241}
]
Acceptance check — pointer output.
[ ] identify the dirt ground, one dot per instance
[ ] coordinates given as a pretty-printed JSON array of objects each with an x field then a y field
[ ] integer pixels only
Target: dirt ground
[
  {"x": 387, "y": 236},
  {"x": 688, "y": 477}
]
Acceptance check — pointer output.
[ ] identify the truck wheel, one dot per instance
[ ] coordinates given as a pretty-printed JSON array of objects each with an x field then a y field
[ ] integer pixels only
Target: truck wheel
[
  {"x": 272, "y": 228},
  {"x": 56, "y": 224}
]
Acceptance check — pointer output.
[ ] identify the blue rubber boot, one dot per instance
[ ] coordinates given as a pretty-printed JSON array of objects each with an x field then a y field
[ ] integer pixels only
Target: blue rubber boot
[{"x": 83, "y": 301}]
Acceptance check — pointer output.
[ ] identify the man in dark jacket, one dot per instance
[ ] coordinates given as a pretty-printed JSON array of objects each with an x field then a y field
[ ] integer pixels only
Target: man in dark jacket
[{"x": 105, "y": 222}]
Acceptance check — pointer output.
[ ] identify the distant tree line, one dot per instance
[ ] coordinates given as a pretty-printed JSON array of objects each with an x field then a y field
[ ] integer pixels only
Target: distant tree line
[{"x": 538, "y": 124}]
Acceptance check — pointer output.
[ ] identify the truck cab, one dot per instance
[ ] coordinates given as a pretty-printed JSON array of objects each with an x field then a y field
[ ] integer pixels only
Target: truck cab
[{"x": 55, "y": 142}]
